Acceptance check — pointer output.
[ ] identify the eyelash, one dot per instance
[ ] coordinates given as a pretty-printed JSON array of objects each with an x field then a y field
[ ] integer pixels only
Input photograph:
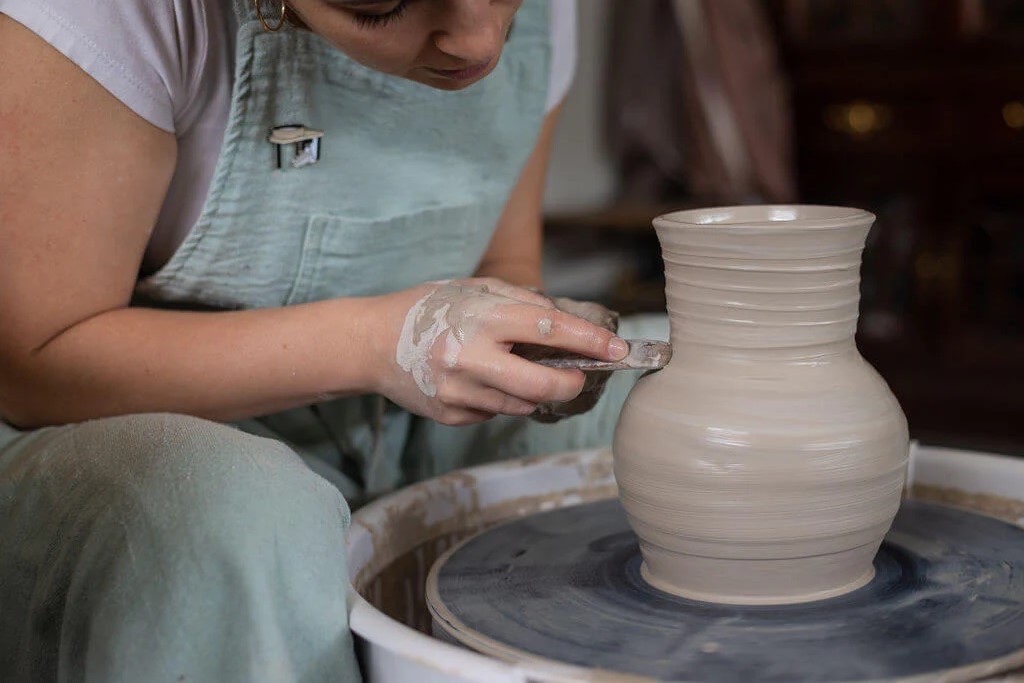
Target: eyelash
[{"x": 381, "y": 20}]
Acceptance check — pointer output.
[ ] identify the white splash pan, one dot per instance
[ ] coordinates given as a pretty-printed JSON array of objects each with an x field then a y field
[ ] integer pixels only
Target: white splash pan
[{"x": 432, "y": 514}]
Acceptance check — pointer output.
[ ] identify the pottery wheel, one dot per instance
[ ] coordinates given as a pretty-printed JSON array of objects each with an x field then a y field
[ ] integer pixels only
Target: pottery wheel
[{"x": 565, "y": 586}]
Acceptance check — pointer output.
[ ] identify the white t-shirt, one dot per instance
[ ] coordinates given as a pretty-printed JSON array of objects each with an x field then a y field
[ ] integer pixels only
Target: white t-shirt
[{"x": 172, "y": 63}]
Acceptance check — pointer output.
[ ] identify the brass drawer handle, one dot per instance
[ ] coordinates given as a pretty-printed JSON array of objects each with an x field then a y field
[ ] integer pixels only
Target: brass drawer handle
[
  {"x": 858, "y": 119},
  {"x": 1013, "y": 115},
  {"x": 936, "y": 268}
]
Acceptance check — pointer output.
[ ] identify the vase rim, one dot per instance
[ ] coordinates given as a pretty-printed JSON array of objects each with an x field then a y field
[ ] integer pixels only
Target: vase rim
[{"x": 760, "y": 216}]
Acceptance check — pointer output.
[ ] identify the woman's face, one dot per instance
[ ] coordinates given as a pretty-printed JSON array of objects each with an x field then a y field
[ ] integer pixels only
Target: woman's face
[{"x": 447, "y": 44}]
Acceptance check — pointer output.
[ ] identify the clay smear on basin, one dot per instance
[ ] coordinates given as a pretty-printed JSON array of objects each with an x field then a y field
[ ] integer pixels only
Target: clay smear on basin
[
  {"x": 1008, "y": 509},
  {"x": 765, "y": 463},
  {"x": 405, "y": 548}
]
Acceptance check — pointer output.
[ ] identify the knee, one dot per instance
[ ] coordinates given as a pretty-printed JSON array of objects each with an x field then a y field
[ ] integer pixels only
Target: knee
[{"x": 200, "y": 478}]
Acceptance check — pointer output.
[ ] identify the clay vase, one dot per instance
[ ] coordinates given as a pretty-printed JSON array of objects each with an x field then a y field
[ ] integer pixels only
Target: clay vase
[{"x": 766, "y": 462}]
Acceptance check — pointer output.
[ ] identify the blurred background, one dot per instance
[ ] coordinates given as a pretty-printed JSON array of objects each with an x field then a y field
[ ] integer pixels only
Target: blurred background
[{"x": 913, "y": 109}]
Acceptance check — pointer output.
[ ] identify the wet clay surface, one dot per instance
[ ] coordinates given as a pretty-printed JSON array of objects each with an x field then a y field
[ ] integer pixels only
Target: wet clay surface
[
  {"x": 765, "y": 462},
  {"x": 947, "y": 596}
]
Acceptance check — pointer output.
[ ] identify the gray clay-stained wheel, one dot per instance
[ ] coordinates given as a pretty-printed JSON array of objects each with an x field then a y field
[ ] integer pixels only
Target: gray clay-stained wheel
[{"x": 565, "y": 586}]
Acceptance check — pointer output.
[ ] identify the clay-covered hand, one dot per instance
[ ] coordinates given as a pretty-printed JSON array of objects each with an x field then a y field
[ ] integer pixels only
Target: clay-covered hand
[
  {"x": 594, "y": 382},
  {"x": 446, "y": 350}
]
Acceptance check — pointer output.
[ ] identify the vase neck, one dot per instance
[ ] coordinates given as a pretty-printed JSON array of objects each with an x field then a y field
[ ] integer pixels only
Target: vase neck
[{"x": 779, "y": 292}]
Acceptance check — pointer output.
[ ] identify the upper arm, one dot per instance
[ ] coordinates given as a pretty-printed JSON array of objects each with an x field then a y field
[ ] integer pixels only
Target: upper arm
[
  {"x": 563, "y": 51},
  {"x": 82, "y": 180},
  {"x": 514, "y": 252},
  {"x": 516, "y": 244}
]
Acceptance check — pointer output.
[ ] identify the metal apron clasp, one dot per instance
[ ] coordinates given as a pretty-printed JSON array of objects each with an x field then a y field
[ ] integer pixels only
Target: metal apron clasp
[{"x": 305, "y": 142}]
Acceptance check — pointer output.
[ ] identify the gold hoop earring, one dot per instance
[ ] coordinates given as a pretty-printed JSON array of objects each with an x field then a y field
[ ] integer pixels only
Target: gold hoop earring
[{"x": 280, "y": 21}]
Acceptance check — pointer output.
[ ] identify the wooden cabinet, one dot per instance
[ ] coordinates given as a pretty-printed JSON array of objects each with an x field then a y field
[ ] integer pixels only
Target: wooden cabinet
[{"x": 915, "y": 110}]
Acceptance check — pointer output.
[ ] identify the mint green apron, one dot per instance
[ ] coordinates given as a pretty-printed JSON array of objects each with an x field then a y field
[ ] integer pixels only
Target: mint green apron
[{"x": 169, "y": 548}]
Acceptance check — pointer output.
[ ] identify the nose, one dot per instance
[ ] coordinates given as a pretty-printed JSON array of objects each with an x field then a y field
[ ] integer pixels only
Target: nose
[{"x": 470, "y": 30}]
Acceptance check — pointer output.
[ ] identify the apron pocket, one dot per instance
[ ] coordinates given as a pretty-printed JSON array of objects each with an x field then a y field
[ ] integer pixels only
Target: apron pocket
[{"x": 344, "y": 257}]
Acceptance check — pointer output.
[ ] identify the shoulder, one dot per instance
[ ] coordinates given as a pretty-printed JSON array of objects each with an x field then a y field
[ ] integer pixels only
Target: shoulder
[
  {"x": 144, "y": 53},
  {"x": 563, "y": 50}
]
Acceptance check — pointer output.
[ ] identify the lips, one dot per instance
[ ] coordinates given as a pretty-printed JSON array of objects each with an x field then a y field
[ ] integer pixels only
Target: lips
[{"x": 464, "y": 74}]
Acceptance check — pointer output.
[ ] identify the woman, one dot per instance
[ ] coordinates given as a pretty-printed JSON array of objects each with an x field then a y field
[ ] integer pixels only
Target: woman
[{"x": 205, "y": 354}]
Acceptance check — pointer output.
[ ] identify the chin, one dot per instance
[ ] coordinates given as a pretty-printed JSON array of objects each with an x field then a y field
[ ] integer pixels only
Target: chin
[{"x": 450, "y": 86}]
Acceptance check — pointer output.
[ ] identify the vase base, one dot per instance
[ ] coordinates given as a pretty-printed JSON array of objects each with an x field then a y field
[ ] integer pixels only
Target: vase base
[
  {"x": 761, "y": 594},
  {"x": 741, "y": 599}
]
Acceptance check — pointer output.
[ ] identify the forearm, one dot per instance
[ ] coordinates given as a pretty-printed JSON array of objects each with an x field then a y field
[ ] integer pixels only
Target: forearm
[
  {"x": 218, "y": 365},
  {"x": 519, "y": 272}
]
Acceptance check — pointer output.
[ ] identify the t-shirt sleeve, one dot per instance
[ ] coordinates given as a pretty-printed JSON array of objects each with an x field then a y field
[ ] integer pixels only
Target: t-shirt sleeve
[
  {"x": 139, "y": 50},
  {"x": 563, "y": 50}
]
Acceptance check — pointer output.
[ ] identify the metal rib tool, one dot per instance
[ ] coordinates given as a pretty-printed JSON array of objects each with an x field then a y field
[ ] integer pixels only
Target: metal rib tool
[{"x": 644, "y": 354}]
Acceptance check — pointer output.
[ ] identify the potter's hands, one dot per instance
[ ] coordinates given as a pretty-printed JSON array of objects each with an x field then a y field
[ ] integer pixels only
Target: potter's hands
[
  {"x": 446, "y": 350},
  {"x": 594, "y": 384}
]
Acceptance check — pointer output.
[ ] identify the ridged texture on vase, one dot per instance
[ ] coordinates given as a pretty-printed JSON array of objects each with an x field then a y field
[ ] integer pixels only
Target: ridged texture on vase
[{"x": 765, "y": 463}]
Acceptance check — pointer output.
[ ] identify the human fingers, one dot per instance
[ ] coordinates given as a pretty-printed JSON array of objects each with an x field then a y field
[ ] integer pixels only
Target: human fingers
[
  {"x": 556, "y": 329},
  {"x": 519, "y": 378},
  {"x": 460, "y": 391},
  {"x": 459, "y": 417}
]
